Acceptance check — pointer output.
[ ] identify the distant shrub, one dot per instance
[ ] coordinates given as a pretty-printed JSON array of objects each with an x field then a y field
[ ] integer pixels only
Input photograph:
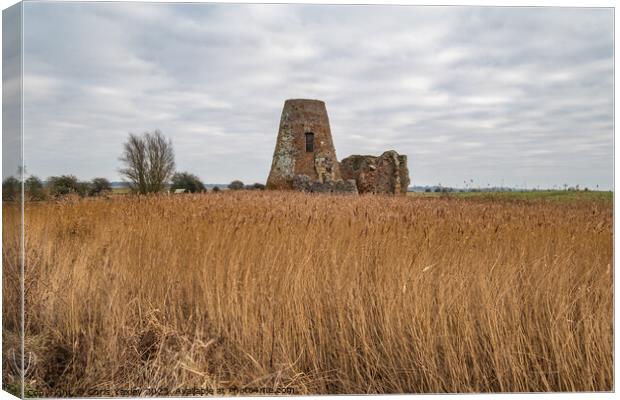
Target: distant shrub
[
  {"x": 99, "y": 186},
  {"x": 255, "y": 186},
  {"x": 235, "y": 185},
  {"x": 67, "y": 184},
  {"x": 34, "y": 189},
  {"x": 11, "y": 189},
  {"x": 62, "y": 185},
  {"x": 83, "y": 188},
  {"x": 216, "y": 189},
  {"x": 187, "y": 181}
]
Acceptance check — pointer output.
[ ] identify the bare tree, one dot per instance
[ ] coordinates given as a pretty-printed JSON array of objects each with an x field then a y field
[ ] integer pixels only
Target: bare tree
[
  {"x": 148, "y": 160},
  {"x": 160, "y": 160},
  {"x": 134, "y": 158}
]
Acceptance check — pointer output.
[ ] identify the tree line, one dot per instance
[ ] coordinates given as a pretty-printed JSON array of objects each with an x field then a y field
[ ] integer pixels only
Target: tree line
[
  {"x": 56, "y": 186},
  {"x": 148, "y": 166}
]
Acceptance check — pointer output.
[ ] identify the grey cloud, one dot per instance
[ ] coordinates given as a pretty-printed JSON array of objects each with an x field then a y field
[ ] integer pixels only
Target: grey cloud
[
  {"x": 11, "y": 90},
  {"x": 494, "y": 94}
]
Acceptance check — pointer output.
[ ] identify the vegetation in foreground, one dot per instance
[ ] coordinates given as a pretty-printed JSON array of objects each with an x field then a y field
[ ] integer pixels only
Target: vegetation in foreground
[{"x": 318, "y": 293}]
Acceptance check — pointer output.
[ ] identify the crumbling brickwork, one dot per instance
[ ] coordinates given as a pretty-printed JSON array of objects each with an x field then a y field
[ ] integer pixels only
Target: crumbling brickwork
[
  {"x": 387, "y": 173},
  {"x": 304, "y": 145}
]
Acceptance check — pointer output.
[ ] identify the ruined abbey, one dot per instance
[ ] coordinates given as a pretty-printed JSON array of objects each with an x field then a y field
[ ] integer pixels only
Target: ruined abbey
[{"x": 305, "y": 158}]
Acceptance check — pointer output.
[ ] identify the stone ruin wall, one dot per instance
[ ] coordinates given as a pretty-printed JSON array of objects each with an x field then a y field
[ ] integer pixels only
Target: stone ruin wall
[
  {"x": 387, "y": 173},
  {"x": 293, "y": 167}
]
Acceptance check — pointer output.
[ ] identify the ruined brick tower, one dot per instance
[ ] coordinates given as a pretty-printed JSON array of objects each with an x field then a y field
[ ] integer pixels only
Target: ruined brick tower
[
  {"x": 305, "y": 158},
  {"x": 304, "y": 147}
]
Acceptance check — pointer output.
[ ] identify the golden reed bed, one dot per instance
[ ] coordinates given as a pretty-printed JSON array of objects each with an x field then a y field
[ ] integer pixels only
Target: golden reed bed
[{"x": 312, "y": 294}]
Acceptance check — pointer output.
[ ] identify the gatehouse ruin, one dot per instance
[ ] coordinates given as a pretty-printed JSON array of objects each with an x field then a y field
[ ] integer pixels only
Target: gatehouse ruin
[{"x": 305, "y": 158}]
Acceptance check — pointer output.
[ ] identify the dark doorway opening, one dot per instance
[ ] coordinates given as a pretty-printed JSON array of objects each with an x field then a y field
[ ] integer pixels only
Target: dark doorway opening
[{"x": 309, "y": 142}]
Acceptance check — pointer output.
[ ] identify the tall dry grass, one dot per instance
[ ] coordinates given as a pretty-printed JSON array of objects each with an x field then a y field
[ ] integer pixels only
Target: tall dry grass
[{"x": 322, "y": 294}]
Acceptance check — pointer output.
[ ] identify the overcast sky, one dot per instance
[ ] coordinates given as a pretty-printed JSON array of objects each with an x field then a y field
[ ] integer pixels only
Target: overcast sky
[{"x": 522, "y": 96}]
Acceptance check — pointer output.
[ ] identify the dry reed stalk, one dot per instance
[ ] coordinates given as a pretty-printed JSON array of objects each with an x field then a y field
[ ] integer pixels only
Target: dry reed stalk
[{"x": 324, "y": 294}]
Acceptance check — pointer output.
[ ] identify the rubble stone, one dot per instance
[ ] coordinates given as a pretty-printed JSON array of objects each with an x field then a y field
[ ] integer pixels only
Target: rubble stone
[{"x": 303, "y": 183}]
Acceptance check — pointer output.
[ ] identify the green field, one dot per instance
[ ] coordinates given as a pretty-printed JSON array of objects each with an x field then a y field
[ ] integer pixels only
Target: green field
[
  {"x": 121, "y": 191},
  {"x": 524, "y": 195}
]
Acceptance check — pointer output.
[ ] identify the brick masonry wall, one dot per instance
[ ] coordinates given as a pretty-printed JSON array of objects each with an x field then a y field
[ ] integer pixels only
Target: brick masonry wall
[{"x": 290, "y": 157}]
